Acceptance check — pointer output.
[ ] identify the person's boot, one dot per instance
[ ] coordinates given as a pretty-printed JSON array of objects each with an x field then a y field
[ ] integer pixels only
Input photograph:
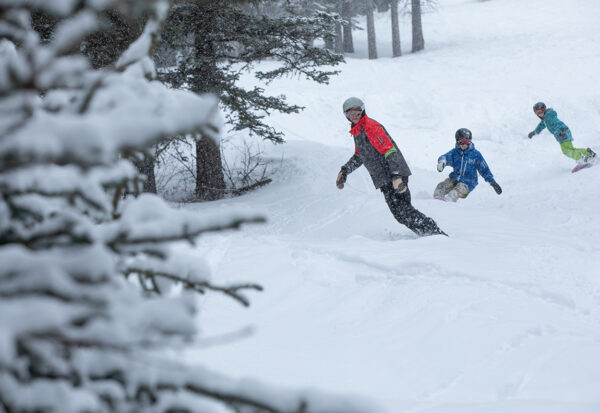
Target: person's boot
[
  {"x": 591, "y": 155},
  {"x": 430, "y": 228}
]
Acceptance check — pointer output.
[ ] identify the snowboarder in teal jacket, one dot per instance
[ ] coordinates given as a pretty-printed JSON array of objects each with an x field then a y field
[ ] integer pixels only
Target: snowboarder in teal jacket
[
  {"x": 561, "y": 133},
  {"x": 466, "y": 161}
]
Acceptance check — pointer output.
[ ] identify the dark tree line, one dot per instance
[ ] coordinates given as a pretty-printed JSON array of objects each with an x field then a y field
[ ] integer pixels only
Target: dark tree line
[
  {"x": 349, "y": 9},
  {"x": 418, "y": 40}
]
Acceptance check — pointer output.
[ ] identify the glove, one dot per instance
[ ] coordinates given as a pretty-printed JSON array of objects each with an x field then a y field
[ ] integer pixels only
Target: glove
[
  {"x": 441, "y": 165},
  {"x": 341, "y": 179},
  {"x": 496, "y": 187},
  {"x": 530, "y": 135},
  {"x": 399, "y": 185}
]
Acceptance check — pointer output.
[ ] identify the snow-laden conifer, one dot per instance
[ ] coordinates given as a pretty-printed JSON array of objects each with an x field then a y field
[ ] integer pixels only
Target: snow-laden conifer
[{"x": 85, "y": 313}]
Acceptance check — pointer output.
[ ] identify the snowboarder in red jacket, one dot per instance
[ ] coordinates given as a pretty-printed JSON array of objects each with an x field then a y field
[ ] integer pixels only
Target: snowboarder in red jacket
[{"x": 377, "y": 151}]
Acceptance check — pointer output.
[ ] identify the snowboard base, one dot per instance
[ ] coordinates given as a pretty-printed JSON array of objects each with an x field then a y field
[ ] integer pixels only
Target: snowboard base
[{"x": 584, "y": 165}]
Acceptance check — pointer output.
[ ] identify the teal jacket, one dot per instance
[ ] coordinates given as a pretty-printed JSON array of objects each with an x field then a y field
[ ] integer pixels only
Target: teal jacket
[{"x": 555, "y": 126}]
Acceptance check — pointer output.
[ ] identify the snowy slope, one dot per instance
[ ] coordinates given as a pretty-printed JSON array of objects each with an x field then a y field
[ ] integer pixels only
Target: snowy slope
[{"x": 502, "y": 316}]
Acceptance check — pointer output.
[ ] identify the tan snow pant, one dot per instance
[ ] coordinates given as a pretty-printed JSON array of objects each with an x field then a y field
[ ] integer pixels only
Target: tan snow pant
[{"x": 449, "y": 190}]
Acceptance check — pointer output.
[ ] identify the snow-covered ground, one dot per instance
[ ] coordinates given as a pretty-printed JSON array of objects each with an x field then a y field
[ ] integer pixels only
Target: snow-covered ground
[{"x": 501, "y": 316}]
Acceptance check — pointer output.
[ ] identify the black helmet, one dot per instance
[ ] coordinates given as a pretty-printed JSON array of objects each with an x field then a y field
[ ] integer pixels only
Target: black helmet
[
  {"x": 463, "y": 133},
  {"x": 539, "y": 106}
]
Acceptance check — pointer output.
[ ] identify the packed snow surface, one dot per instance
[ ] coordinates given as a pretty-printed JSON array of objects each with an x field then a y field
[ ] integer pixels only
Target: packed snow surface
[{"x": 501, "y": 316}]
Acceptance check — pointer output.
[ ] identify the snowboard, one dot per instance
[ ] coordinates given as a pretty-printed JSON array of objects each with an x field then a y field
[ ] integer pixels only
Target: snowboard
[
  {"x": 440, "y": 198},
  {"x": 585, "y": 165}
]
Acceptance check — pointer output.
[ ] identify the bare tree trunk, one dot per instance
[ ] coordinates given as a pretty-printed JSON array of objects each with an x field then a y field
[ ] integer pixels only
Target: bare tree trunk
[
  {"x": 347, "y": 29},
  {"x": 338, "y": 43},
  {"x": 210, "y": 182},
  {"x": 396, "y": 47},
  {"x": 146, "y": 167},
  {"x": 418, "y": 42},
  {"x": 329, "y": 43},
  {"x": 371, "y": 31}
]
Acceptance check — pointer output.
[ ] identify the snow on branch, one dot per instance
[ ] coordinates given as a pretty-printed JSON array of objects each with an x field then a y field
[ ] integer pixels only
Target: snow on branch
[
  {"x": 142, "y": 47},
  {"x": 127, "y": 114},
  {"x": 54, "y": 181},
  {"x": 70, "y": 32},
  {"x": 148, "y": 219}
]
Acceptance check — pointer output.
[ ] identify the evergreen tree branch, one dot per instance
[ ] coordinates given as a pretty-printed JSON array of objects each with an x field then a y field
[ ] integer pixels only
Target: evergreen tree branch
[
  {"x": 288, "y": 41},
  {"x": 70, "y": 195},
  {"x": 198, "y": 286},
  {"x": 123, "y": 239}
]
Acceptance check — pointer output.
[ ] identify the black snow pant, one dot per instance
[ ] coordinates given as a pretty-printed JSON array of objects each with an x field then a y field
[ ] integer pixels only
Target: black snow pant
[{"x": 408, "y": 215}]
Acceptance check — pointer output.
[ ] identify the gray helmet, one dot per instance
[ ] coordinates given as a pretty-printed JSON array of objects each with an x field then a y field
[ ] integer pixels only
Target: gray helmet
[
  {"x": 463, "y": 133},
  {"x": 353, "y": 103}
]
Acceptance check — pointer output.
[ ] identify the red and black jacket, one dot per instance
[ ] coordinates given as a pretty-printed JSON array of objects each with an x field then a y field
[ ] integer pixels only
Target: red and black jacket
[{"x": 376, "y": 149}]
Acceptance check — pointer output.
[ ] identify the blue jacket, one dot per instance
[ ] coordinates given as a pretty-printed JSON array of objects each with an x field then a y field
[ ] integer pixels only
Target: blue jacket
[
  {"x": 555, "y": 126},
  {"x": 466, "y": 164}
]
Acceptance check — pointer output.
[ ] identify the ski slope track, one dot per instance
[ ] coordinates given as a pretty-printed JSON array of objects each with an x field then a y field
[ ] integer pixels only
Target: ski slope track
[{"x": 501, "y": 316}]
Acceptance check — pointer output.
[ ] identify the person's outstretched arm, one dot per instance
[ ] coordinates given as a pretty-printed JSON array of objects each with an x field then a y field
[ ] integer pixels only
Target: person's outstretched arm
[{"x": 485, "y": 172}]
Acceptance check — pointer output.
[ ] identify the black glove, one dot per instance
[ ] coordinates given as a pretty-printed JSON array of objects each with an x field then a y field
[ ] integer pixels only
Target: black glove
[
  {"x": 341, "y": 178},
  {"x": 530, "y": 135},
  {"x": 496, "y": 187}
]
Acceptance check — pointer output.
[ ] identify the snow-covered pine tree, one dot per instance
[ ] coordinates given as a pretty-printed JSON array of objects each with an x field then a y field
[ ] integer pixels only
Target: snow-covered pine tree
[{"x": 78, "y": 335}]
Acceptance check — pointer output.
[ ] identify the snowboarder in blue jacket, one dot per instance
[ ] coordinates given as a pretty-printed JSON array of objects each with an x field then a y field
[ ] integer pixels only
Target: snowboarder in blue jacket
[
  {"x": 466, "y": 161},
  {"x": 561, "y": 133}
]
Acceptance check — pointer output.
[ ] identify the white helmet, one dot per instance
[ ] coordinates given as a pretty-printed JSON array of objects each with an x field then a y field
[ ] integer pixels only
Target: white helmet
[{"x": 353, "y": 103}]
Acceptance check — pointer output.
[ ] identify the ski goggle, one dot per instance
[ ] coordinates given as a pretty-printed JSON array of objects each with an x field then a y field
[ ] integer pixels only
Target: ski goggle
[
  {"x": 464, "y": 142},
  {"x": 353, "y": 112}
]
